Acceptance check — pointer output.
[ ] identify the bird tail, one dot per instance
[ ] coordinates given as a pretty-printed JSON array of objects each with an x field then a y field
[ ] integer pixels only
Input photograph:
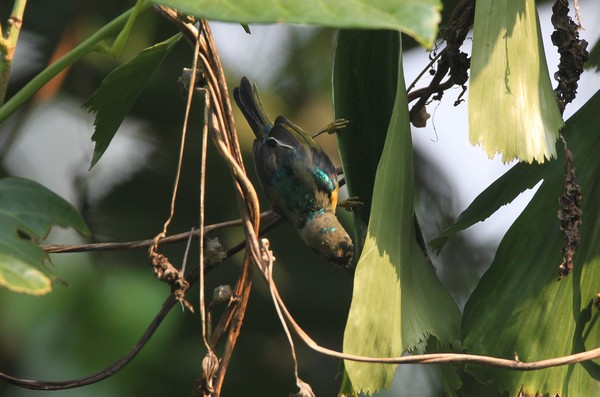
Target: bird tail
[{"x": 246, "y": 97}]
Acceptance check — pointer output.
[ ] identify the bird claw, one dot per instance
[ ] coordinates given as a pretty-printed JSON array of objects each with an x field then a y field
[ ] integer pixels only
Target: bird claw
[
  {"x": 351, "y": 204},
  {"x": 333, "y": 127}
]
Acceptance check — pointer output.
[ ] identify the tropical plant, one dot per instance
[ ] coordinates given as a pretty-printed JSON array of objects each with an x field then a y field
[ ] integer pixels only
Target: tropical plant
[{"x": 528, "y": 328}]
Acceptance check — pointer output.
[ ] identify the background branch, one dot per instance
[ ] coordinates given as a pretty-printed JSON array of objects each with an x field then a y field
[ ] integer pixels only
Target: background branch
[{"x": 270, "y": 217}]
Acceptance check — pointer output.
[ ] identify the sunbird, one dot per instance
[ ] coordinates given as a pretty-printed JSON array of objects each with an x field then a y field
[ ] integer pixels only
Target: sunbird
[{"x": 297, "y": 177}]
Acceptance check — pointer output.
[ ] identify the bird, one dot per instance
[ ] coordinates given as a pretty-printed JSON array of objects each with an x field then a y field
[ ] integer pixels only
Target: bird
[{"x": 297, "y": 176}]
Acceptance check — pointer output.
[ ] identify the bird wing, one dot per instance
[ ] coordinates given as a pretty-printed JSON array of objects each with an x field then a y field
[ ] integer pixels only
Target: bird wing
[
  {"x": 318, "y": 163},
  {"x": 299, "y": 172}
]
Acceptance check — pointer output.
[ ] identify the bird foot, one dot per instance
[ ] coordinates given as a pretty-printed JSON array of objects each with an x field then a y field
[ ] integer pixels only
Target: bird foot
[
  {"x": 351, "y": 204},
  {"x": 333, "y": 128}
]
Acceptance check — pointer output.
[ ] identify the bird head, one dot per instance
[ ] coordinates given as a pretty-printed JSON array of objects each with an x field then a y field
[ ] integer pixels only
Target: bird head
[{"x": 328, "y": 238}]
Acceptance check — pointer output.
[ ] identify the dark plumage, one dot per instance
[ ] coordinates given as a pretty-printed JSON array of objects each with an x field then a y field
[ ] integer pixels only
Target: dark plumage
[{"x": 297, "y": 176}]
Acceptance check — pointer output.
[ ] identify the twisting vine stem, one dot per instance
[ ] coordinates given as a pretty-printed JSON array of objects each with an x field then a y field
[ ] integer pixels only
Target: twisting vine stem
[{"x": 223, "y": 134}]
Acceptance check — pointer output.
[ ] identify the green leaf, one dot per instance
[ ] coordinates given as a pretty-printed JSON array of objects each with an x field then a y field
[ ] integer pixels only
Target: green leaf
[
  {"x": 417, "y": 18},
  {"x": 27, "y": 212},
  {"x": 398, "y": 303},
  {"x": 504, "y": 190},
  {"x": 20, "y": 276},
  {"x": 119, "y": 90},
  {"x": 594, "y": 58},
  {"x": 512, "y": 108},
  {"x": 365, "y": 72},
  {"x": 520, "y": 307}
]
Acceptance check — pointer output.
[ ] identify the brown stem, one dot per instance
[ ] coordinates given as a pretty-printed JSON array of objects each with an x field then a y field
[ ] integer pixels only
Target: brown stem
[
  {"x": 267, "y": 216},
  {"x": 223, "y": 134},
  {"x": 451, "y": 59}
]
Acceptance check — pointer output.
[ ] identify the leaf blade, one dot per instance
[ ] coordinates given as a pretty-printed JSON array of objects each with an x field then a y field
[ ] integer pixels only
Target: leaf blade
[
  {"x": 419, "y": 19},
  {"x": 512, "y": 108},
  {"x": 397, "y": 302},
  {"x": 19, "y": 276},
  {"x": 533, "y": 314},
  {"x": 28, "y": 211},
  {"x": 118, "y": 92},
  {"x": 365, "y": 76},
  {"x": 502, "y": 191}
]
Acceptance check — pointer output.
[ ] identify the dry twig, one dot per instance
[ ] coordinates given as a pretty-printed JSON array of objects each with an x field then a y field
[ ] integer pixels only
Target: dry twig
[
  {"x": 452, "y": 62},
  {"x": 223, "y": 134},
  {"x": 269, "y": 217}
]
